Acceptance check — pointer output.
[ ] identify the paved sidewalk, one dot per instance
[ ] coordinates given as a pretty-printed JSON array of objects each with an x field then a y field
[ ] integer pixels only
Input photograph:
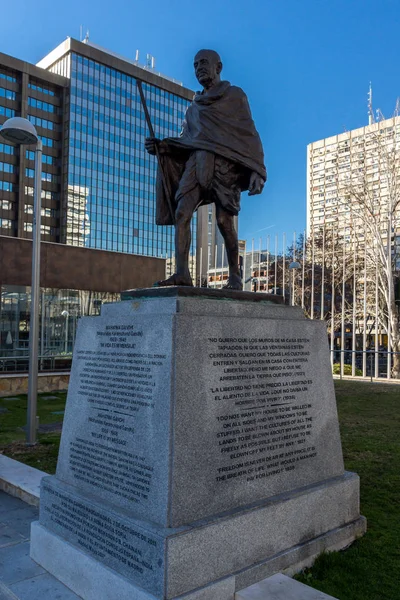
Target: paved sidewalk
[{"x": 20, "y": 577}]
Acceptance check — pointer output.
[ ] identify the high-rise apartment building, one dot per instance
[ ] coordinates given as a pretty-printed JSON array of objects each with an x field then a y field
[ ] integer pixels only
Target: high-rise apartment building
[
  {"x": 30, "y": 92},
  {"x": 108, "y": 178},
  {"x": 338, "y": 163},
  {"x": 353, "y": 220}
]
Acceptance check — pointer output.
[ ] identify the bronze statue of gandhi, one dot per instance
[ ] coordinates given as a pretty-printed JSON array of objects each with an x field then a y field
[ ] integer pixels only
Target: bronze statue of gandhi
[{"x": 217, "y": 156}]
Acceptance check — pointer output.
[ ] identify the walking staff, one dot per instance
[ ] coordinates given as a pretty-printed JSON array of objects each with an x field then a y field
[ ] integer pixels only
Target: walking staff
[{"x": 167, "y": 191}]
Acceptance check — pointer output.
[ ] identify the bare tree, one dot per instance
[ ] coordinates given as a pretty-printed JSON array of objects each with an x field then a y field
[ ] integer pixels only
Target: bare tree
[{"x": 372, "y": 197}]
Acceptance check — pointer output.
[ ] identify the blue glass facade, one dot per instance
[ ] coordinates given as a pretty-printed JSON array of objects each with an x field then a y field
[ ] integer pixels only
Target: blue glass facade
[{"x": 111, "y": 178}]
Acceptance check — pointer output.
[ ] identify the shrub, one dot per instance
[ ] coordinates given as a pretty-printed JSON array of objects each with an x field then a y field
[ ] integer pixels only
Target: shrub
[{"x": 347, "y": 370}]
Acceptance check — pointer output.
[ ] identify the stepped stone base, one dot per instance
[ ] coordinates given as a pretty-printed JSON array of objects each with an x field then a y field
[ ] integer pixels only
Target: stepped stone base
[
  {"x": 51, "y": 551},
  {"x": 232, "y": 551}
]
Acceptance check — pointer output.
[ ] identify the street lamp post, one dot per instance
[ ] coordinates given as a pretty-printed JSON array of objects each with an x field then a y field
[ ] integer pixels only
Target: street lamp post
[
  {"x": 21, "y": 131},
  {"x": 65, "y": 314}
]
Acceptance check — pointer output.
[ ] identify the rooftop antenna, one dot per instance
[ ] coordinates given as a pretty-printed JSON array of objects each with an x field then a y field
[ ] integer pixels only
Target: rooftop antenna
[
  {"x": 371, "y": 118},
  {"x": 86, "y": 37},
  {"x": 137, "y": 56},
  {"x": 397, "y": 108},
  {"x": 80, "y": 33},
  {"x": 379, "y": 115}
]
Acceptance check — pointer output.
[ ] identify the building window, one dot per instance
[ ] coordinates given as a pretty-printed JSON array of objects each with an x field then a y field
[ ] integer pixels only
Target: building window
[
  {"x": 6, "y": 186},
  {"x": 42, "y": 122},
  {"x": 47, "y": 141},
  {"x": 5, "y": 223},
  {"x": 7, "y": 168},
  {"x": 7, "y": 94},
  {"x": 7, "y": 112},
  {"x": 46, "y": 194},
  {"x": 6, "y": 149},
  {"x": 46, "y": 160},
  {"x": 41, "y": 105},
  {"x": 39, "y": 88},
  {"x": 8, "y": 77},
  {"x": 45, "y": 176},
  {"x": 48, "y": 177}
]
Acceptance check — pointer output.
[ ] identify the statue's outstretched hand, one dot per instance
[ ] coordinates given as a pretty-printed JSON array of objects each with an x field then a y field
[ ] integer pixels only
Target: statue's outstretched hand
[
  {"x": 256, "y": 184},
  {"x": 150, "y": 145}
]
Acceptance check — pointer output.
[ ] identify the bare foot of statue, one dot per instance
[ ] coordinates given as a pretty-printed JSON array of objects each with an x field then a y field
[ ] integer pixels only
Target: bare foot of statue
[
  {"x": 234, "y": 283},
  {"x": 175, "y": 280}
]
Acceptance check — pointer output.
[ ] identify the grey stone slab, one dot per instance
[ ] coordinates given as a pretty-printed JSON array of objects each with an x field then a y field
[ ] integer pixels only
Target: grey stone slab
[
  {"x": 132, "y": 548},
  {"x": 51, "y": 398},
  {"x": 42, "y": 587},
  {"x": 3, "y": 410},
  {"x": 222, "y": 590},
  {"x": 262, "y": 415},
  {"x": 8, "y": 503},
  {"x": 243, "y": 539},
  {"x": 20, "y": 481},
  {"x": 116, "y": 433},
  {"x": 281, "y": 587},
  {"x": 6, "y": 593},
  {"x": 21, "y": 519},
  {"x": 183, "y": 560},
  {"x": 58, "y": 412},
  {"x": 303, "y": 556},
  {"x": 16, "y": 564},
  {"x": 9, "y": 536},
  {"x": 202, "y": 306},
  {"x": 93, "y": 581},
  {"x": 201, "y": 293}
]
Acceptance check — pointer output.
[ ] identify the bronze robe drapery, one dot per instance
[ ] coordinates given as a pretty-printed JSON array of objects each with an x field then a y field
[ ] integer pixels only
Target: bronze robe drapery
[{"x": 217, "y": 121}]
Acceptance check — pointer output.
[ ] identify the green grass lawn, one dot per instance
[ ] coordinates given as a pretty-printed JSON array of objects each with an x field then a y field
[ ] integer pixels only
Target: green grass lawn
[
  {"x": 12, "y": 436},
  {"x": 369, "y": 417}
]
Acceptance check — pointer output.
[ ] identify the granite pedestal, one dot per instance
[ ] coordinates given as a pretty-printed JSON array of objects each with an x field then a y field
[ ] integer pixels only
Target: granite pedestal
[{"x": 200, "y": 450}]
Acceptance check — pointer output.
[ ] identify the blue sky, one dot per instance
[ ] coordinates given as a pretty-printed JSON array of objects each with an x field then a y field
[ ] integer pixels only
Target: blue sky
[{"x": 305, "y": 65}]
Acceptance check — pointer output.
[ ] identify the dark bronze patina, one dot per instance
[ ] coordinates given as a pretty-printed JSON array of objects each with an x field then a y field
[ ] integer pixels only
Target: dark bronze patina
[{"x": 217, "y": 156}]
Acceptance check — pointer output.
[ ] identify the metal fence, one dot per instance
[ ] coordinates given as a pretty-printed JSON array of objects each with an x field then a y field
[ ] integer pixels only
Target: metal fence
[
  {"x": 363, "y": 363},
  {"x": 337, "y": 280}
]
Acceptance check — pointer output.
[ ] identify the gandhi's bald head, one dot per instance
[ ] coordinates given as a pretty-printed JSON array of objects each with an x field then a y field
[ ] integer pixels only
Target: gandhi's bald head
[{"x": 207, "y": 67}]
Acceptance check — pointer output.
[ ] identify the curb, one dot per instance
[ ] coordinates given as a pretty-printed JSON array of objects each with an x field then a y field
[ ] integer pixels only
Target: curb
[{"x": 20, "y": 480}]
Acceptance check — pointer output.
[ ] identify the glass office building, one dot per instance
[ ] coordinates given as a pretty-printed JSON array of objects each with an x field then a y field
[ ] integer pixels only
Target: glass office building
[{"x": 109, "y": 182}]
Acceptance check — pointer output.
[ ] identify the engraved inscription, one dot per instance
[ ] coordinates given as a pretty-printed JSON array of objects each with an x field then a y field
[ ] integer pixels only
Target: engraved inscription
[
  {"x": 117, "y": 471},
  {"x": 269, "y": 426},
  {"x": 105, "y": 537},
  {"x": 117, "y": 383}
]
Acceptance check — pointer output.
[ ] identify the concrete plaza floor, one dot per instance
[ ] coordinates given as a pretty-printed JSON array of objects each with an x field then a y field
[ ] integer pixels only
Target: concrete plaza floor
[{"x": 20, "y": 577}]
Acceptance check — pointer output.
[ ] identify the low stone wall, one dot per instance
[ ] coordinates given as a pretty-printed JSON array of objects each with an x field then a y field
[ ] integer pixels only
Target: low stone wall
[{"x": 47, "y": 382}]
